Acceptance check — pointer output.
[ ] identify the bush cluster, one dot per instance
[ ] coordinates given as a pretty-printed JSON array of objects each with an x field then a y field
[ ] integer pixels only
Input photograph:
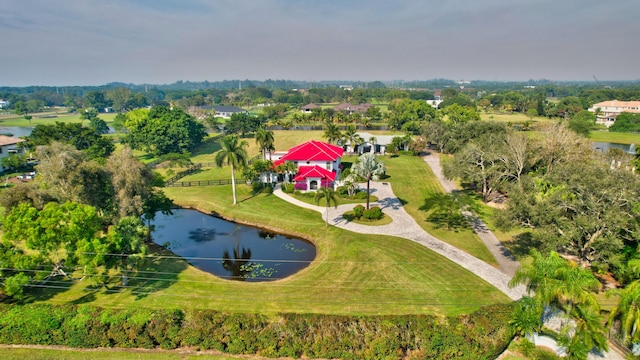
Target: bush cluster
[
  {"x": 481, "y": 335},
  {"x": 374, "y": 213},
  {"x": 358, "y": 211}
]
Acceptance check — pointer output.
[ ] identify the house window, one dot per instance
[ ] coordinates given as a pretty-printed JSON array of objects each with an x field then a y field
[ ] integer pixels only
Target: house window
[
  {"x": 308, "y": 162},
  {"x": 329, "y": 167},
  {"x": 313, "y": 185}
]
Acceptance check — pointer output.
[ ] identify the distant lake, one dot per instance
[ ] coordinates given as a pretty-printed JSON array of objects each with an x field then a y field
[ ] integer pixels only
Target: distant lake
[
  {"x": 16, "y": 131},
  {"x": 229, "y": 250},
  {"x": 605, "y": 146}
]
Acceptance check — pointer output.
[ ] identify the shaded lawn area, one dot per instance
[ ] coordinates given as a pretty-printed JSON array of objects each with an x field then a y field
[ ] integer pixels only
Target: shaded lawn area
[
  {"x": 413, "y": 187},
  {"x": 353, "y": 273}
]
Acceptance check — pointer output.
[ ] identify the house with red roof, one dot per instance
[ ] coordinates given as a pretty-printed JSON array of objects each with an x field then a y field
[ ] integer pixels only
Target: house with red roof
[{"x": 318, "y": 164}]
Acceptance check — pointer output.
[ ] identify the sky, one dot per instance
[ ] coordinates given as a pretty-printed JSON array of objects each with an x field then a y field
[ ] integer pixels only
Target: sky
[{"x": 94, "y": 42}]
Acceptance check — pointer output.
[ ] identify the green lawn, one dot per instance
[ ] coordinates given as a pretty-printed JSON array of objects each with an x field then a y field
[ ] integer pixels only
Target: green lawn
[
  {"x": 413, "y": 187},
  {"x": 42, "y": 118},
  {"x": 7, "y": 353},
  {"x": 515, "y": 118},
  {"x": 353, "y": 273},
  {"x": 615, "y": 137}
]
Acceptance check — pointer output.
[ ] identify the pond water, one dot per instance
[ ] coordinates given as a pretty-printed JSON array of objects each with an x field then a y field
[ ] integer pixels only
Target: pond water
[
  {"x": 605, "y": 146},
  {"x": 229, "y": 250},
  {"x": 15, "y": 131}
]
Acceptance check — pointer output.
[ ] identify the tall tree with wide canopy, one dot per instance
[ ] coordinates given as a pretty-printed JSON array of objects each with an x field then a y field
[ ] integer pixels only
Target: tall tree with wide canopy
[
  {"x": 329, "y": 196},
  {"x": 265, "y": 139},
  {"x": 234, "y": 154},
  {"x": 369, "y": 168},
  {"x": 126, "y": 245}
]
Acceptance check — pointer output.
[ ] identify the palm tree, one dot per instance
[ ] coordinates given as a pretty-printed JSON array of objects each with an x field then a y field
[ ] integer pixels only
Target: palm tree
[
  {"x": 369, "y": 168},
  {"x": 332, "y": 133},
  {"x": 265, "y": 139},
  {"x": 329, "y": 195},
  {"x": 351, "y": 135},
  {"x": 627, "y": 310},
  {"x": 568, "y": 287},
  {"x": 234, "y": 154}
]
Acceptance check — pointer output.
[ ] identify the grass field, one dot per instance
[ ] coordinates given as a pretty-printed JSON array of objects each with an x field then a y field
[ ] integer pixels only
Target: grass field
[
  {"x": 353, "y": 274},
  {"x": 615, "y": 137},
  {"x": 8, "y": 353},
  {"x": 44, "y": 118}
]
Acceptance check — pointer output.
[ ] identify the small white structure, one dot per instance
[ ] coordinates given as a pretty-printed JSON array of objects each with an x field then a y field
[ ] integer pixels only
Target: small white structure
[{"x": 376, "y": 144}]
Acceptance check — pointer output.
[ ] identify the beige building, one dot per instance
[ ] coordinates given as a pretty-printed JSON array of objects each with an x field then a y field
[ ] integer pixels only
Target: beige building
[
  {"x": 607, "y": 111},
  {"x": 8, "y": 147}
]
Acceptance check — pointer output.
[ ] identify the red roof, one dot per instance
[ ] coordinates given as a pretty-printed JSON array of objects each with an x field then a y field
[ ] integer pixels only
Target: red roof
[
  {"x": 314, "y": 151},
  {"x": 315, "y": 171}
]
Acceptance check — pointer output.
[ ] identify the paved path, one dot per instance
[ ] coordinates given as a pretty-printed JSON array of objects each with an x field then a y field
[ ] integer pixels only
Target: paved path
[
  {"x": 507, "y": 263},
  {"x": 403, "y": 225}
]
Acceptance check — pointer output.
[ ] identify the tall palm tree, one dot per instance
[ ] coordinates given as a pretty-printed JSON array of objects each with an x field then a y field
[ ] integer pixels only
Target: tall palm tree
[
  {"x": 332, "y": 133},
  {"x": 627, "y": 310},
  {"x": 233, "y": 154},
  {"x": 369, "y": 168},
  {"x": 265, "y": 139},
  {"x": 329, "y": 195},
  {"x": 570, "y": 288}
]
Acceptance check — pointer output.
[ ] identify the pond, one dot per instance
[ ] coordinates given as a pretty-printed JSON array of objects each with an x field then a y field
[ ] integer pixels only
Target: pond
[
  {"x": 15, "y": 131},
  {"x": 605, "y": 146},
  {"x": 229, "y": 250}
]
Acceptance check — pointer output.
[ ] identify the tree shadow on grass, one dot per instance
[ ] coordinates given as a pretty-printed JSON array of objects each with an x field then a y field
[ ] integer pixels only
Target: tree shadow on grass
[
  {"x": 157, "y": 272},
  {"x": 210, "y": 146},
  {"x": 443, "y": 210},
  {"x": 522, "y": 244}
]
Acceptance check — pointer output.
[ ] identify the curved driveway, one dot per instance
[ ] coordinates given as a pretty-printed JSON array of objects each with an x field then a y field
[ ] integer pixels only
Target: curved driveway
[{"x": 403, "y": 225}]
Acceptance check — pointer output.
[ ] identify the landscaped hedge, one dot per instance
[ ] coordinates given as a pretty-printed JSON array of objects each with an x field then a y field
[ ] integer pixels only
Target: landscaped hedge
[{"x": 481, "y": 335}]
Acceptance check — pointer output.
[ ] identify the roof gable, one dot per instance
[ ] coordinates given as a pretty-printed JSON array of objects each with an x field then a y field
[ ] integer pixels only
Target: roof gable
[
  {"x": 315, "y": 171},
  {"x": 314, "y": 151},
  {"x": 8, "y": 140}
]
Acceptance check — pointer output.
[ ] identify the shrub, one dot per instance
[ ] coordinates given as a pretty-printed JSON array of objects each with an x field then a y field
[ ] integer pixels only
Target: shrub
[
  {"x": 288, "y": 188},
  {"x": 480, "y": 335},
  {"x": 360, "y": 195},
  {"x": 374, "y": 213},
  {"x": 358, "y": 210}
]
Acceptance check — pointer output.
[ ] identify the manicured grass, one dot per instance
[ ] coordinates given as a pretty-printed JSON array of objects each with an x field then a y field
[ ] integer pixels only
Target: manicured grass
[
  {"x": 7, "y": 353},
  {"x": 515, "y": 118},
  {"x": 308, "y": 198},
  {"x": 39, "y": 118},
  {"x": 413, "y": 187},
  {"x": 353, "y": 273},
  {"x": 615, "y": 137}
]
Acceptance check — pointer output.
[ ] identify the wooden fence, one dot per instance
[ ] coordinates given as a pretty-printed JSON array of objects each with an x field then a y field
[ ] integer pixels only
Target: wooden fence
[{"x": 199, "y": 183}]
